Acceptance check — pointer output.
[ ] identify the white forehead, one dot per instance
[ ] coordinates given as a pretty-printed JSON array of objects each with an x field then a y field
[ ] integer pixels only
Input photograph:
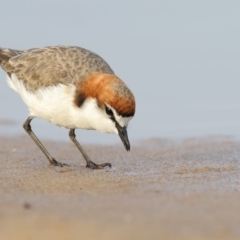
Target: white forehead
[{"x": 122, "y": 121}]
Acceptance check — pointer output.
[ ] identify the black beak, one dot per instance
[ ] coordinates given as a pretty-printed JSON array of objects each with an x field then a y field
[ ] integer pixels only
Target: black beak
[{"x": 122, "y": 132}]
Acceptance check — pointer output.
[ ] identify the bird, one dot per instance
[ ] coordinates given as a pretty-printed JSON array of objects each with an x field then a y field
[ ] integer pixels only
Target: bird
[{"x": 73, "y": 88}]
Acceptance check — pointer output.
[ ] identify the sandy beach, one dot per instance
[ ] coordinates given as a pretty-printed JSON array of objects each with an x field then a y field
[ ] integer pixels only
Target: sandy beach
[{"x": 162, "y": 189}]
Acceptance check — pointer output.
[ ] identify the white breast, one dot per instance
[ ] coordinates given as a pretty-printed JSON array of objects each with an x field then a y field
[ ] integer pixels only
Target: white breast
[{"x": 56, "y": 104}]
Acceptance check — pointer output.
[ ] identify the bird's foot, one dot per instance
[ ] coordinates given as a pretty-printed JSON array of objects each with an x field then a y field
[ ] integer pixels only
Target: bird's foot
[
  {"x": 93, "y": 165},
  {"x": 59, "y": 164}
]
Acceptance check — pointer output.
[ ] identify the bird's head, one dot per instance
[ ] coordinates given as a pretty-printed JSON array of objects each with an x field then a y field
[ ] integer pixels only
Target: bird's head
[{"x": 108, "y": 103}]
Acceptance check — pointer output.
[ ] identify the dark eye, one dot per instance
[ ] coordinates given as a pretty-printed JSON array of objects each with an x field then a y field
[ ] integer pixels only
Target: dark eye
[{"x": 109, "y": 111}]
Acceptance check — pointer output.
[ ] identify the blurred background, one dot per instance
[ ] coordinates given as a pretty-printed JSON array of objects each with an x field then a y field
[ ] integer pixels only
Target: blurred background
[{"x": 180, "y": 58}]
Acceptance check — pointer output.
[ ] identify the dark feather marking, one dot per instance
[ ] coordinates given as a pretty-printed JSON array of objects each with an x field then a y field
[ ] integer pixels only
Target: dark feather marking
[
  {"x": 79, "y": 100},
  {"x": 126, "y": 114}
]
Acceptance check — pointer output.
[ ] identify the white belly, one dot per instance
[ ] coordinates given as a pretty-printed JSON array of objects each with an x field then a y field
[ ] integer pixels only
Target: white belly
[{"x": 56, "y": 104}]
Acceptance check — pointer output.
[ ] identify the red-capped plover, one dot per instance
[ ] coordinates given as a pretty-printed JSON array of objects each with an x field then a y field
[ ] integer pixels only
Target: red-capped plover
[{"x": 71, "y": 87}]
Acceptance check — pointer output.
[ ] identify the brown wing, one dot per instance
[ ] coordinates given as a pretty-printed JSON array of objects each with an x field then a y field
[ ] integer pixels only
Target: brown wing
[{"x": 49, "y": 66}]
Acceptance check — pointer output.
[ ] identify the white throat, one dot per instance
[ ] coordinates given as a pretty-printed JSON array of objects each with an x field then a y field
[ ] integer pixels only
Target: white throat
[{"x": 96, "y": 118}]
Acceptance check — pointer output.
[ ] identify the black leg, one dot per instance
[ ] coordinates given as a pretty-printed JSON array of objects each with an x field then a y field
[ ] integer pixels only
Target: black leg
[
  {"x": 90, "y": 164},
  {"x": 29, "y": 131}
]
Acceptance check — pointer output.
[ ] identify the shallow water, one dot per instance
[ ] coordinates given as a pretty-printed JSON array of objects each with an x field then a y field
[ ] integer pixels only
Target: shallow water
[
  {"x": 182, "y": 67},
  {"x": 151, "y": 120}
]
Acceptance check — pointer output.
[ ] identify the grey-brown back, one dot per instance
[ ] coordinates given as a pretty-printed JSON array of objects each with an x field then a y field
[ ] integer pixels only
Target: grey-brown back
[{"x": 49, "y": 66}]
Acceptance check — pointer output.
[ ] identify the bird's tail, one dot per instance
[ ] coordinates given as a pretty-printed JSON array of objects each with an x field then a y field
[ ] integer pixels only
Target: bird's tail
[{"x": 5, "y": 55}]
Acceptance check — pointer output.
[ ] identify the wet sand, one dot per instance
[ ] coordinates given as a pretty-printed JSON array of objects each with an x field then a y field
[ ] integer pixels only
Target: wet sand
[{"x": 162, "y": 189}]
